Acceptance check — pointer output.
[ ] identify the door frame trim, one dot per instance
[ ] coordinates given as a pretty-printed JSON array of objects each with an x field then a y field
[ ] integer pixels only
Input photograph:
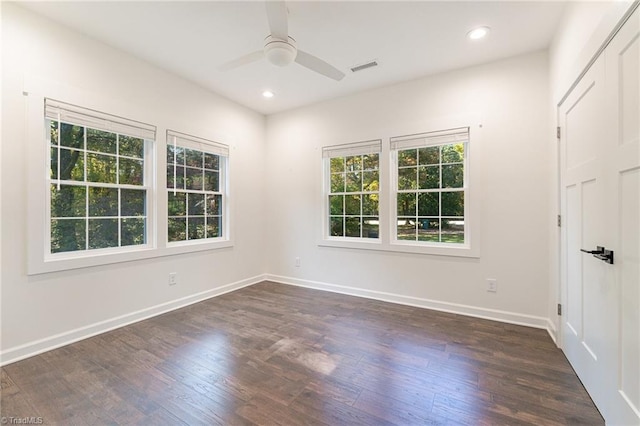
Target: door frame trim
[{"x": 602, "y": 46}]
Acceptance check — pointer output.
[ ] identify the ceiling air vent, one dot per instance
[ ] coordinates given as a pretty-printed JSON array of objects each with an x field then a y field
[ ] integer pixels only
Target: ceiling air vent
[{"x": 361, "y": 67}]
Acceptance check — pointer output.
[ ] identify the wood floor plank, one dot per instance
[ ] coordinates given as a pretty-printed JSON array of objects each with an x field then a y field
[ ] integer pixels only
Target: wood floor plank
[
  {"x": 94, "y": 382},
  {"x": 273, "y": 354},
  {"x": 255, "y": 412},
  {"x": 334, "y": 388},
  {"x": 397, "y": 411},
  {"x": 472, "y": 412},
  {"x": 12, "y": 401},
  {"x": 313, "y": 405}
]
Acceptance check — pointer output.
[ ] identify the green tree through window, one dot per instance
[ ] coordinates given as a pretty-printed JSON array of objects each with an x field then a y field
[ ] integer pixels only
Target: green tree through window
[
  {"x": 195, "y": 190},
  {"x": 97, "y": 193},
  {"x": 430, "y": 193},
  {"x": 353, "y": 182}
]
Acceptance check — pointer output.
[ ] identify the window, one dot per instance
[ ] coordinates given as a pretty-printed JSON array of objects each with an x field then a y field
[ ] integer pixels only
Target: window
[
  {"x": 430, "y": 187},
  {"x": 196, "y": 179},
  {"x": 417, "y": 194},
  {"x": 98, "y": 180},
  {"x": 352, "y": 179},
  {"x": 92, "y": 193}
]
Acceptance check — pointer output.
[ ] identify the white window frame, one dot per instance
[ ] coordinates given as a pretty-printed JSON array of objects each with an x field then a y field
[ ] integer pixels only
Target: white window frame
[
  {"x": 88, "y": 119},
  {"x": 425, "y": 140},
  {"x": 388, "y": 211},
  {"x": 345, "y": 150},
  {"x": 36, "y": 89},
  {"x": 178, "y": 139}
]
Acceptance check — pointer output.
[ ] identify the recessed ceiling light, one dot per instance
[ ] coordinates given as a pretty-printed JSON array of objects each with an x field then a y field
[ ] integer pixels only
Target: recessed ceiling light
[
  {"x": 478, "y": 33},
  {"x": 268, "y": 94}
]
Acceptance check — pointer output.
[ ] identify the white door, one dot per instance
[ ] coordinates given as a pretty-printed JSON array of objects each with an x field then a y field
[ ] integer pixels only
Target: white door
[
  {"x": 622, "y": 163},
  {"x": 587, "y": 281},
  {"x": 600, "y": 206}
]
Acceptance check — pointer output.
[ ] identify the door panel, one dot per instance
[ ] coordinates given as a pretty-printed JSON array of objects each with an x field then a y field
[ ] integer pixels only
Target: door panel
[
  {"x": 623, "y": 77},
  {"x": 592, "y": 270},
  {"x": 573, "y": 311},
  {"x": 622, "y": 166},
  {"x": 629, "y": 90},
  {"x": 630, "y": 289},
  {"x": 581, "y": 202},
  {"x": 581, "y": 147}
]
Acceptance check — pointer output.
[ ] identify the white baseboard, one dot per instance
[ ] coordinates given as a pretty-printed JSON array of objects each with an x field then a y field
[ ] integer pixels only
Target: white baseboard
[
  {"x": 39, "y": 346},
  {"x": 454, "y": 308},
  {"x": 36, "y": 347},
  {"x": 553, "y": 331}
]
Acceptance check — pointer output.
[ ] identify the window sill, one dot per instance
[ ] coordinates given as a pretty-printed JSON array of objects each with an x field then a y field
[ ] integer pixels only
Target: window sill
[
  {"x": 87, "y": 259},
  {"x": 403, "y": 247},
  {"x": 179, "y": 247},
  {"x": 357, "y": 243}
]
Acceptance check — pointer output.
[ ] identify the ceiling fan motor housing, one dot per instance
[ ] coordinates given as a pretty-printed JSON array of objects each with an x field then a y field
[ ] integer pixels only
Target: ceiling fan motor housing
[{"x": 280, "y": 52}]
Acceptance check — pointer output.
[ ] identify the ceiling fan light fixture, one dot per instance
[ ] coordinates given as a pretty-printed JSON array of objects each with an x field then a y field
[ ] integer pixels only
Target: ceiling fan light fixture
[
  {"x": 280, "y": 49},
  {"x": 279, "y": 52},
  {"x": 478, "y": 33}
]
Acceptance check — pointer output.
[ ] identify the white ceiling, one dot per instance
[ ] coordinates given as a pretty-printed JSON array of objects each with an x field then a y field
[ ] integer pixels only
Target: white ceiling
[{"x": 409, "y": 40}]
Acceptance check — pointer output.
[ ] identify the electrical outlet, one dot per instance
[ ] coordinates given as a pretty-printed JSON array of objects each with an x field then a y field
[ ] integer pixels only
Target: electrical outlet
[
  {"x": 492, "y": 285},
  {"x": 173, "y": 278},
  {"x": 297, "y": 262}
]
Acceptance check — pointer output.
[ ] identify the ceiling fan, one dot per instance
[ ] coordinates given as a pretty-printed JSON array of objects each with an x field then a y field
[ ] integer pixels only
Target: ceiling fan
[{"x": 280, "y": 49}]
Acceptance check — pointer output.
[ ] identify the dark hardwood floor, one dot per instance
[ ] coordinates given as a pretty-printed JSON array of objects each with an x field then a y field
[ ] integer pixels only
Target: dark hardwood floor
[{"x": 275, "y": 354}]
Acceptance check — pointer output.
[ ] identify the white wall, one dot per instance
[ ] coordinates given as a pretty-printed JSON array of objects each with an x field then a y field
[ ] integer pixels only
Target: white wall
[
  {"x": 512, "y": 97},
  {"x": 60, "y": 306}
]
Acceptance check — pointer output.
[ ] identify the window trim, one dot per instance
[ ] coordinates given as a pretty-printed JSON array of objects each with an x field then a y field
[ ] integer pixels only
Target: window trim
[
  {"x": 87, "y": 118},
  {"x": 439, "y": 138},
  {"x": 35, "y": 90},
  {"x": 473, "y": 210},
  {"x": 211, "y": 147},
  {"x": 344, "y": 150}
]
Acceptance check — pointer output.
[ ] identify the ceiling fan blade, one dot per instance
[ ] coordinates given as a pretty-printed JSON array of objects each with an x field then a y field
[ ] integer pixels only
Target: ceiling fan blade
[
  {"x": 318, "y": 65},
  {"x": 278, "y": 21},
  {"x": 242, "y": 60}
]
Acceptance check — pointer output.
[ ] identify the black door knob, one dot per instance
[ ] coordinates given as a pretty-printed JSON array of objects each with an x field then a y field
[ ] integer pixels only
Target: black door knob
[{"x": 601, "y": 253}]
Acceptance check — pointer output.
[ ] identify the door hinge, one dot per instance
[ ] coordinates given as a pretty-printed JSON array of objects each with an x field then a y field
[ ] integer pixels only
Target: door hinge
[
  {"x": 559, "y": 221},
  {"x": 559, "y": 309},
  {"x": 558, "y": 132}
]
